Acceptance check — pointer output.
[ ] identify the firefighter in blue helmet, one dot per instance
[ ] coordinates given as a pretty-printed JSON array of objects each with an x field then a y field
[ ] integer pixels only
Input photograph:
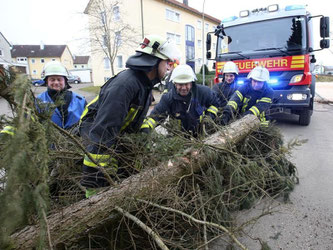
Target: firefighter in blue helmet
[
  {"x": 69, "y": 105},
  {"x": 120, "y": 107},
  {"x": 228, "y": 86},
  {"x": 186, "y": 102},
  {"x": 254, "y": 97}
]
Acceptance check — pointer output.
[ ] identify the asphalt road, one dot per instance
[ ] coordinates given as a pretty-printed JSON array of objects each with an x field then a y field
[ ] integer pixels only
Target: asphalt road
[{"x": 306, "y": 222}]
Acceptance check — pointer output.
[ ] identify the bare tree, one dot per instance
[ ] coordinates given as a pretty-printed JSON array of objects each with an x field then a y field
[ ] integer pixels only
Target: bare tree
[{"x": 108, "y": 32}]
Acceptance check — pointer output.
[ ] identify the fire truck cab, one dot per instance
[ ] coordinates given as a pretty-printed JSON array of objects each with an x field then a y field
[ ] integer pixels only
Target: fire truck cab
[{"x": 280, "y": 39}]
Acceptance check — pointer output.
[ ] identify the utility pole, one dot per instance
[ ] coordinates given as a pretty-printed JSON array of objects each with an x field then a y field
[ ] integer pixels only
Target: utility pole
[{"x": 203, "y": 42}]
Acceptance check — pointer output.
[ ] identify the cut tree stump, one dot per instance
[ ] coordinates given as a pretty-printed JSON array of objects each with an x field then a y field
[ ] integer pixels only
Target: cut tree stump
[{"x": 79, "y": 218}]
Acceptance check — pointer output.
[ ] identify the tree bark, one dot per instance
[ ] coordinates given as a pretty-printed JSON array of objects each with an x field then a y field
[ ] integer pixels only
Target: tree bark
[{"x": 77, "y": 219}]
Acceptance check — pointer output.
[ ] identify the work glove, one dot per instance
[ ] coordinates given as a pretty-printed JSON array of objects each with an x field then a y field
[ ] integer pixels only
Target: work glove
[
  {"x": 247, "y": 113},
  {"x": 225, "y": 118},
  {"x": 208, "y": 126},
  {"x": 145, "y": 131}
]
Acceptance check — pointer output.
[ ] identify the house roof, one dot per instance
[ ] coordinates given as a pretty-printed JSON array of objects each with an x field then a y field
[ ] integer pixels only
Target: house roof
[
  {"x": 5, "y": 39},
  {"x": 176, "y": 4},
  {"x": 81, "y": 59},
  {"x": 36, "y": 51}
]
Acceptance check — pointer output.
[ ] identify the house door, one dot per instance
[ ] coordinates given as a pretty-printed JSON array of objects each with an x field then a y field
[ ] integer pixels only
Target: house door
[{"x": 189, "y": 46}]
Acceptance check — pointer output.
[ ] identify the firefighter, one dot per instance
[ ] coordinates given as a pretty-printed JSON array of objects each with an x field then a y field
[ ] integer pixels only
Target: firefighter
[
  {"x": 228, "y": 86},
  {"x": 69, "y": 104},
  {"x": 120, "y": 107},
  {"x": 186, "y": 102},
  {"x": 254, "y": 97}
]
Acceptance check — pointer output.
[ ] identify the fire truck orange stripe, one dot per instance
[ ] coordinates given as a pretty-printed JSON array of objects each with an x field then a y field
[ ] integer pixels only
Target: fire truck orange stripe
[
  {"x": 298, "y": 57},
  {"x": 297, "y": 61},
  {"x": 297, "y": 66}
]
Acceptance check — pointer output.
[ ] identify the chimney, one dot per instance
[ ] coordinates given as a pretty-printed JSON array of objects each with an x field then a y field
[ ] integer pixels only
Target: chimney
[
  {"x": 41, "y": 45},
  {"x": 185, "y": 2}
]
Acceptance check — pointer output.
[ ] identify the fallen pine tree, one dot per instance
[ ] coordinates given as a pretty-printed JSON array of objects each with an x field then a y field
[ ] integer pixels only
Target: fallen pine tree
[{"x": 181, "y": 196}]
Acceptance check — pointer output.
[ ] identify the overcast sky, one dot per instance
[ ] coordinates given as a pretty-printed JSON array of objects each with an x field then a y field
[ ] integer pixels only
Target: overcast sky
[{"x": 62, "y": 21}]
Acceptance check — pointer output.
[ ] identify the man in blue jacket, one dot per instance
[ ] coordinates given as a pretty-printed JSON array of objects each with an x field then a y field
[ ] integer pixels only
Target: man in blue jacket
[
  {"x": 68, "y": 105},
  {"x": 186, "y": 102}
]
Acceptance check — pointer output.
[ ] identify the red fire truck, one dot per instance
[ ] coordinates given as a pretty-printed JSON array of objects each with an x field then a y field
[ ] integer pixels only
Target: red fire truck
[{"x": 280, "y": 39}]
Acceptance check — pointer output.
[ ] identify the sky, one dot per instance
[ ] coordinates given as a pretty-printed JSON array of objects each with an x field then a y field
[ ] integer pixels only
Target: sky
[{"x": 63, "y": 22}]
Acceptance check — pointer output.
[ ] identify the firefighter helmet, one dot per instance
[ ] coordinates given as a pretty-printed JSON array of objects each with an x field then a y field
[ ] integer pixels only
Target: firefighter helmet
[
  {"x": 54, "y": 68},
  {"x": 230, "y": 67},
  {"x": 159, "y": 47},
  {"x": 259, "y": 73},
  {"x": 183, "y": 74}
]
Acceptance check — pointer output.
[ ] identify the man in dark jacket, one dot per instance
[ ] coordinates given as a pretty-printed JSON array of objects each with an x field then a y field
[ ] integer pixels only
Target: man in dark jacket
[
  {"x": 254, "y": 97},
  {"x": 228, "y": 86},
  {"x": 121, "y": 106},
  {"x": 187, "y": 102}
]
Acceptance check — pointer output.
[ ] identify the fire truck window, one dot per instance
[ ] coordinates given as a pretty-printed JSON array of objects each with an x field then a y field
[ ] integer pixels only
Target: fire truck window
[{"x": 280, "y": 33}]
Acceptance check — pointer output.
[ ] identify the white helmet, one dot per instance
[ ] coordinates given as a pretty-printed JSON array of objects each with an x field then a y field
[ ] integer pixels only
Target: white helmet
[
  {"x": 230, "y": 67},
  {"x": 259, "y": 73},
  {"x": 183, "y": 74},
  {"x": 159, "y": 47},
  {"x": 54, "y": 68}
]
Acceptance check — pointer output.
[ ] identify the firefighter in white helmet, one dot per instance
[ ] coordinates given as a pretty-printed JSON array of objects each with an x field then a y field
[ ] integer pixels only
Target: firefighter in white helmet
[
  {"x": 70, "y": 105},
  {"x": 228, "y": 86},
  {"x": 187, "y": 102},
  {"x": 121, "y": 107},
  {"x": 254, "y": 97}
]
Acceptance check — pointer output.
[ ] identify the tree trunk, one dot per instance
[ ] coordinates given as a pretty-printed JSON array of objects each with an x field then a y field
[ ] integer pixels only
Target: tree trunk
[{"x": 77, "y": 219}]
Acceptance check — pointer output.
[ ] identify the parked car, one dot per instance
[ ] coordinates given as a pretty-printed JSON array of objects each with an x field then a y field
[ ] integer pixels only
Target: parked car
[
  {"x": 74, "y": 79},
  {"x": 39, "y": 82}
]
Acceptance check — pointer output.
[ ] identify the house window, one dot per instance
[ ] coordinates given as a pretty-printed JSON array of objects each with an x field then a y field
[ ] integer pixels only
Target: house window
[
  {"x": 75, "y": 66},
  {"x": 118, "y": 38},
  {"x": 82, "y": 66},
  {"x": 116, "y": 13},
  {"x": 33, "y": 60},
  {"x": 214, "y": 28},
  {"x": 1, "y": 53},
  {"x": 106, "y": 63},
  {"x": 103, "y": 17},
  {"x": 199, "y": 24},
  {"x": 214, "y": 46},
  {"x": 199, "y": 44},
  {"x": 119, "y": 61},
  {"x": 174, "y": 37},
  {"x": 42, "y": 60},
  {"x": 53, "y": 59},
  {"x": 34, "y": 72},
  {"x": 172, "y": 15},
  {"x": 206, "y": 26},
  {"x": 189, "y": 33}
]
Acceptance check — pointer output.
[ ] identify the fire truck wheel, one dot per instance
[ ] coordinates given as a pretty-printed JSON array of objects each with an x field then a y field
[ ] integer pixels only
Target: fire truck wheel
[{"x": 304, "y": 117}]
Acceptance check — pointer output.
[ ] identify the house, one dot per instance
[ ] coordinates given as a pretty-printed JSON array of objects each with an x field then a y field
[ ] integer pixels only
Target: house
[
  {"x": 169, "y": 18},
  {"x": 36, "y": 56},
  {"x": 81, "y": 62},
  {"x": 82, "y": 68},
  {"x": 5, "y": 56}
]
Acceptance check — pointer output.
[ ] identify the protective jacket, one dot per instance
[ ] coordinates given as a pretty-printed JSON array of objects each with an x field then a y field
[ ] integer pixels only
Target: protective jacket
[
  {"x": 74, "y": 108},
  {"x": 120, "y": 107},
  {"x": 189, "y": 110},
  {"x": 246, "y": 100},
  {"x": 224, "y": 92}
]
